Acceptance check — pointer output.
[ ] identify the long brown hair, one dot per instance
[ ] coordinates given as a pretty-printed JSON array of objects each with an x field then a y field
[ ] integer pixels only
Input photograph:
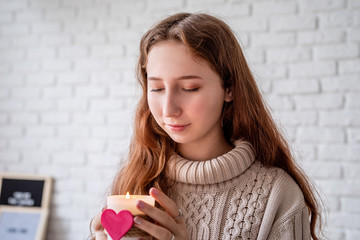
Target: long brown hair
[{"x": 246, "y": 117}]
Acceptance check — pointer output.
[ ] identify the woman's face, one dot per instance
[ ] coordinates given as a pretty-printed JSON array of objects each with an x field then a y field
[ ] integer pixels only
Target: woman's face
[{"x": 185, "y": 95}]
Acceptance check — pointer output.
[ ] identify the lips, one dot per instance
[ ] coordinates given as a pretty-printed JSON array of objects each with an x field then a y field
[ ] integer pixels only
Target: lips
[{"x": 177, "y": 127}]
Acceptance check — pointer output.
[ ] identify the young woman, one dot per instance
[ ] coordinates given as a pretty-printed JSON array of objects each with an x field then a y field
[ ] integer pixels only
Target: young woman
[{"x": 205, "y": 145}]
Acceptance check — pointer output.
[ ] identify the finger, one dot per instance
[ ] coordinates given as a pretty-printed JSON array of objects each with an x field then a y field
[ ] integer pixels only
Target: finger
[
  {"x": 100, "y": 235},
  {"x": 154, "y": 230},
  {"x": 167, "y": 203},
  {"x": 161, "y": 217},
  {"x": 96, "y": 223}
]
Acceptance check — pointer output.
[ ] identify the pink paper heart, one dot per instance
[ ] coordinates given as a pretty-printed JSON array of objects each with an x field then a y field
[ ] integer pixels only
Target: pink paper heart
[{"x": 117, "y": 225}]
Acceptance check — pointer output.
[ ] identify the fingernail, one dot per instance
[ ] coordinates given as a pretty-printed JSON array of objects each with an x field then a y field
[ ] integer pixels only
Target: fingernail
[
  {"x": 138, "y": 220},
  {"x": 140, "y": 204},
  {"x": 154, "y": 191}
]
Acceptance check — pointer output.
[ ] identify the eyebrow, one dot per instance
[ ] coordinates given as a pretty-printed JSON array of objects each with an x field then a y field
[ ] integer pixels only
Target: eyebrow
[{"x": 185, "y": 77}]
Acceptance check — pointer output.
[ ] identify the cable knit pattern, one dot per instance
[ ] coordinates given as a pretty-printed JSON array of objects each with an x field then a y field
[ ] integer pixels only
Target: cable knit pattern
[{"x": 235, "y": 197}]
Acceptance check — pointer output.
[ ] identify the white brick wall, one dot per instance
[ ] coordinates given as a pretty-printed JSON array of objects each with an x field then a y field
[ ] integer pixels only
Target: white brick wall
[{"x": 67, "y": 92}]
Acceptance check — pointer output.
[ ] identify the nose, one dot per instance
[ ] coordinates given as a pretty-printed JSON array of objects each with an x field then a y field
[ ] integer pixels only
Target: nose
[{"x": 172, "y": 106}]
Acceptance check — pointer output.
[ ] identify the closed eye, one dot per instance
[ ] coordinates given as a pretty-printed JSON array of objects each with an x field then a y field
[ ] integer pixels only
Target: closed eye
[
  {"x": 191, "y": 89},
  {"x": 156, "y": 89}
]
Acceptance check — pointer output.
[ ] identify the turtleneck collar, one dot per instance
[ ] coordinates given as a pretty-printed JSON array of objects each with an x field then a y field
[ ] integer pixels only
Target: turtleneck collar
[{"x": 219, "y": 169}]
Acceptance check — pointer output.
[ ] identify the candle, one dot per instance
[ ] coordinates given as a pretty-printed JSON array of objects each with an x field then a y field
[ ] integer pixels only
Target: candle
[{"x": 128, "y": 202}]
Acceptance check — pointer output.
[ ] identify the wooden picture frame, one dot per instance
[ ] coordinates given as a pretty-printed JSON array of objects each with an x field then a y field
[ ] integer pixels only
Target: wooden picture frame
[{"x": 24, "y": 206}]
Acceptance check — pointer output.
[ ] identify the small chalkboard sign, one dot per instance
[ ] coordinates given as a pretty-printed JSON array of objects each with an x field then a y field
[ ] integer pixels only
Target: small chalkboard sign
[
  {"x": 20, "y": 192},
  {"x": 24, "y": 206}
]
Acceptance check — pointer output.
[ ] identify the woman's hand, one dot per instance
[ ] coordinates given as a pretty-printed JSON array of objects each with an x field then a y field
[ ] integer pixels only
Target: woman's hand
[
  {"x": 169, "y": 225},
  {"x": 98, "y": 228}
]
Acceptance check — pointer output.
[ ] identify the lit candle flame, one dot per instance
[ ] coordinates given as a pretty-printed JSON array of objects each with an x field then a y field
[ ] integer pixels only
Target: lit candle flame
[{"x": 127, "y": 195}]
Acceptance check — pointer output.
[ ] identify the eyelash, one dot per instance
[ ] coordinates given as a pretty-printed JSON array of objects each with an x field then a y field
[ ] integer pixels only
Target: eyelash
[
  {"x": 191, "y": 89},
  {"x": 156, "y": 89},
  {"x": 186, "y": 90}
]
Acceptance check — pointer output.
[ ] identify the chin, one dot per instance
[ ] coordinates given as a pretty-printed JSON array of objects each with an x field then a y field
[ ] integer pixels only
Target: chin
[{"x": 179, "y": 140}]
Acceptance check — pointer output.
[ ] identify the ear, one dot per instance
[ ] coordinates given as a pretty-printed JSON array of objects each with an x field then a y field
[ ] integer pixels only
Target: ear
[{"x": 228, "y": 95}]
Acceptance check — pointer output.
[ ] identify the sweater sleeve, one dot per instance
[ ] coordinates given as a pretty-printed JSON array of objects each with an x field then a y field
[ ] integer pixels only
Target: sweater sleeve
[{"x": 286, "y": 215}]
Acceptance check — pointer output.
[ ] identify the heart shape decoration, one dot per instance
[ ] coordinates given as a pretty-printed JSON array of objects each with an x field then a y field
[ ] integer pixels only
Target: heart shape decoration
[{"x": 117, "y": 225}]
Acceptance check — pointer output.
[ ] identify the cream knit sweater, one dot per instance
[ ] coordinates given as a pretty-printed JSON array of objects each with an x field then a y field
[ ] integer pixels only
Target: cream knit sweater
[{"x": 235, "y": 197}]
